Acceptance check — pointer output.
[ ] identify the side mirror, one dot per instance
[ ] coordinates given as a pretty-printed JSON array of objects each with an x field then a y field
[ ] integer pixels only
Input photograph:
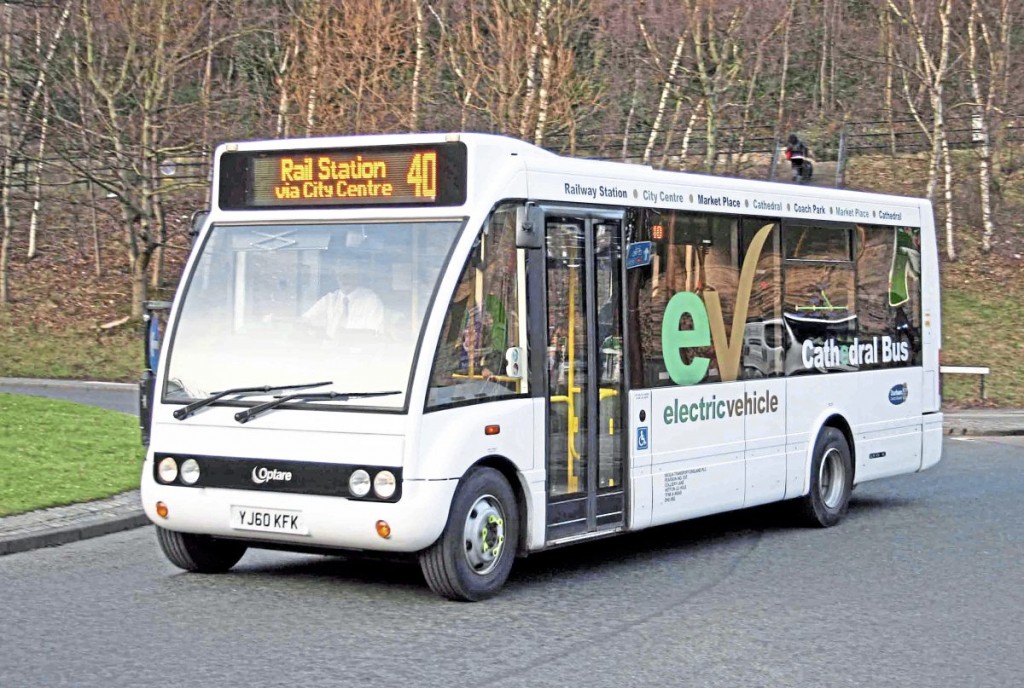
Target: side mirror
[
  {"x": 530, "y": 226},
  {"x": 198, "y": 218},
  {"x": 154, "y": 316}
]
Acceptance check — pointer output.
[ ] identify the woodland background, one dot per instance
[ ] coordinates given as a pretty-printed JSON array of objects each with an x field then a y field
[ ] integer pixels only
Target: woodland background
[{"x": 109, "y": 110}]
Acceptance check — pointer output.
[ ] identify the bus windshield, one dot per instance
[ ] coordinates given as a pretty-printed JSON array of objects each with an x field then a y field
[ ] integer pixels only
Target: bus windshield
[{"x": 289, "y": 304}]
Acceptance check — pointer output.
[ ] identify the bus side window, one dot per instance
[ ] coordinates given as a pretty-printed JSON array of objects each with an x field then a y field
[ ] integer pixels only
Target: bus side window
[{"x": 479, "y": 326}]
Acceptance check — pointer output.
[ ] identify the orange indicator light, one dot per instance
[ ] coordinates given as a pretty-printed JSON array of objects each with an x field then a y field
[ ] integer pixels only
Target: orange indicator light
[
  {"x": 492, "y": 429},
  {"x": 383, "y": 529},
  {"x": 161, "y": 510}
]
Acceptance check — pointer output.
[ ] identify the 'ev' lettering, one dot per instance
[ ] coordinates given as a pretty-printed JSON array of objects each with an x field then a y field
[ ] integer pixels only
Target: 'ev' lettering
[{"x": 709, "y": 325}]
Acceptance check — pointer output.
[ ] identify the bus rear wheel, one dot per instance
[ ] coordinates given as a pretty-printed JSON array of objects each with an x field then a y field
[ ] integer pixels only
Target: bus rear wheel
[
  {"x": 474, "y": 555},
  {"x": 199, "y": 553},
  {"x": 831, "y": 480}
]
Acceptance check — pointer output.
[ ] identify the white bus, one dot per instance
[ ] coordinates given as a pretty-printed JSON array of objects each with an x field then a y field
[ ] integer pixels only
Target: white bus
[{"x": 465, "y": 348}]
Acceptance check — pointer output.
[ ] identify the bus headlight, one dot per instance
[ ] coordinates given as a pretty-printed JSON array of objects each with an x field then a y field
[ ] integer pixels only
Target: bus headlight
[
  {"x": 168, "y": 469},
  {"x": 189, "y": 471},
  {"x": 384, "y": 484},
  {"x": 359, "y": 483}
]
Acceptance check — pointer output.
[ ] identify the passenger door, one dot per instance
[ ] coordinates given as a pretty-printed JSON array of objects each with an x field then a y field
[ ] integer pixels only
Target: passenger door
[{"x": 585, "y": 442}]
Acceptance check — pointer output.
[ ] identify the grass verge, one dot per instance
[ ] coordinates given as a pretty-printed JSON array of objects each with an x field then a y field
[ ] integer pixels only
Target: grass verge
[
  {"x": 27, "y": 350},
  {"x": 59, "y": 452},
  {"x": 982, "y": 327}
]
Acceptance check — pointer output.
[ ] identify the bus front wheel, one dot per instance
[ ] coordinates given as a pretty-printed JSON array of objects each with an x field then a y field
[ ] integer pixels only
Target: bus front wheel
[
  {"x": 831, "y": 480},
  {"x": 199, "y": 553},
  {"x": 474, "y": 555}
]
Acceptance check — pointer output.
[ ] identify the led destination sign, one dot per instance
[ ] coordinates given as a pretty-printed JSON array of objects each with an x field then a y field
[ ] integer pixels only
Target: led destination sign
[{"x": 394, "y": 175}]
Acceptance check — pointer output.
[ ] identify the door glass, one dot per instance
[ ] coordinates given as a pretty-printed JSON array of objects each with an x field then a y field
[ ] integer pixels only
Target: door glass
[
  {"x": 567, "y": 356},
  {"x": 607, "y": 267}
]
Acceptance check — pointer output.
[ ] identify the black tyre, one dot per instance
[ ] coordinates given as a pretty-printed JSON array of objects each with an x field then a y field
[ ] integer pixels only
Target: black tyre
[
  {"x": 831, "y": 480},
  {"x": 199, "y": 553},
  {"x": 474, "y": 555}
]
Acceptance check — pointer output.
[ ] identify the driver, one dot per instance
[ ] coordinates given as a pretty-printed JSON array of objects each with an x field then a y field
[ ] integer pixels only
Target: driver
[{"x": 352, "y": 306}]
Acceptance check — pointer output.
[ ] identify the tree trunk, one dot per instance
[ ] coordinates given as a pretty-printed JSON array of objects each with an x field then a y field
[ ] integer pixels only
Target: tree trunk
[
  {"x": 80, "y": 93},
  {"x": 948, "y": 194},
  {"x": 37, "y": 182},
  {"x": 666, "y": 149},
  {"x": 786, "y": 30},
  {"x": 826, "y": 39},
  {"x": 666, "y": 89},
  {"x": 543, "y": 94},
  {"x": 6, "y": 158},
  {"x": 417, "y": 72},
  {"x": 98, "y": 264},
  {"x": 634, "y": 98},
  {"x": 281, "y": 68},
  {"x": 1002, "y": 68},
  {"x": 5, "y": 240},
  {"x": 536, "y": 39},
  {"x": 885, "y": 19},
  {"x": 207, "y": 92},
  {"x": 980, "y": 116},
  {"x": 314, "y": 78},
  {"x": 140, "y": 292},
  {"x": 684, "y": 149}
]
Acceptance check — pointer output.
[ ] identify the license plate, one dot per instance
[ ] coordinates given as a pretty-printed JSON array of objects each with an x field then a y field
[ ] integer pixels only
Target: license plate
[{"x": 268, "y": 520}]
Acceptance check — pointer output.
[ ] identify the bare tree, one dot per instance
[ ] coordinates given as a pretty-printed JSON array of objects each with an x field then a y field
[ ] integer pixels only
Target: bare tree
[
  {"x": 8, "y": 136},
  {"x": 417, "y": 72},
  {"x": 352, "y": 71},
  {"x": 929, "y": 66},
  {"x": 513, "y": 66},
  {"x": 535, "y": 40},
  {"x": 831, "y": 19},
  {"x": 981, "y": 109},
  {"x": 887, "y": 42},
  {"x": 1000, "y": 32},
  {"x": 717, "y": 61},
  {"x": 132, "y": 58},
  {"x": 668, "y": 84},
  {"x": 37, "y": 177},
  {"x": 787, "y": 27},
  {"x": 17, "y": 124}
]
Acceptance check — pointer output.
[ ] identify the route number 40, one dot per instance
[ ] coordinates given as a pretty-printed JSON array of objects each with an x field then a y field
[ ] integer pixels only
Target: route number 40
[{"x": 423, "y": 175}]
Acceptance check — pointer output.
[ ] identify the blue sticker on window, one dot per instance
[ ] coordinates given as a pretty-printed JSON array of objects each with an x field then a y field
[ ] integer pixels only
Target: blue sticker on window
[
  {"x": 638, "y": 254},
  {"x": 641, "y": 437}
]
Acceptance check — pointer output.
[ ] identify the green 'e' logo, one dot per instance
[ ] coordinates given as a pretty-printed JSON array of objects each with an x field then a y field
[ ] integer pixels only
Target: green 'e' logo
[{"x": 709, "y": 325}]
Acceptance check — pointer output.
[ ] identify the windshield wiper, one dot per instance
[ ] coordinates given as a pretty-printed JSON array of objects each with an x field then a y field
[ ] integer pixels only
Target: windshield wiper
[
  {"x": 250, "y": 413},
  {"x": 186, "y": 411}
]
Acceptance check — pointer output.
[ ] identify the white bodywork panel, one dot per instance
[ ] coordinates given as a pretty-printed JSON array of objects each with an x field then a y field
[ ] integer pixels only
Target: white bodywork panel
[{"x": 677, "y": 468}]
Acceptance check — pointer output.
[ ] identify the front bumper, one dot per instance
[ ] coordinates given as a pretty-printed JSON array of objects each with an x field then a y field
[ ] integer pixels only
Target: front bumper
[{"x": 416, "y": 520}]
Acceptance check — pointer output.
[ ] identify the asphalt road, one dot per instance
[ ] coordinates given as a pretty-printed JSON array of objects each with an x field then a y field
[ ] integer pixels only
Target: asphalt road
[
  {"x": 922, "y": 585},
  {"x": 108, "y": 395}
]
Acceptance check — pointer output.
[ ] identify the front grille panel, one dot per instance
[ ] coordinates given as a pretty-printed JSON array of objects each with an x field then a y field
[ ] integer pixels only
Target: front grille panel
[{"x": 266, "y": 475}]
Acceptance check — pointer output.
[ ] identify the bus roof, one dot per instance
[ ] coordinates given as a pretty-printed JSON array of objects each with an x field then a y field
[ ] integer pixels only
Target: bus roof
[{"x": 552, "y": 178}]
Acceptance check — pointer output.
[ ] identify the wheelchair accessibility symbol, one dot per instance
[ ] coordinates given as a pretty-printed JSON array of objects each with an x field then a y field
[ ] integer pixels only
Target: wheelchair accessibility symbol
[{"x": 641, "y": 438}]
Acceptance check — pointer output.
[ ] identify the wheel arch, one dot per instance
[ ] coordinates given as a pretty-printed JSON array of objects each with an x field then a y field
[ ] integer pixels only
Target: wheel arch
[
  {"x": 515, "y": 479},
  {"x": 838, "y": 421}
]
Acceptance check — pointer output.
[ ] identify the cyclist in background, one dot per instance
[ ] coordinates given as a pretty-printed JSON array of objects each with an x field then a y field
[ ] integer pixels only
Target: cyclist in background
[{"x": 799, "y": 158}]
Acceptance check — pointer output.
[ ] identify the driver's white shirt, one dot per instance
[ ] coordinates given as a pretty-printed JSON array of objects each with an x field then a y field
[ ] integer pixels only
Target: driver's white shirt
[{"x": 359, "y": 309}]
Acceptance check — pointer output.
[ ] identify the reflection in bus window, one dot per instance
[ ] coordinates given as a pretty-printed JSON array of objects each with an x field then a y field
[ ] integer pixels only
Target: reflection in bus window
[
  {"x": 767, "y": 345},
  {"x": 691, "y": 252},
  {"x": 888, "y": 285},
  {"x": 809, "y": 285},
  {"x": 341, "y": 302},
  {"x": 481, "y": 324}
]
